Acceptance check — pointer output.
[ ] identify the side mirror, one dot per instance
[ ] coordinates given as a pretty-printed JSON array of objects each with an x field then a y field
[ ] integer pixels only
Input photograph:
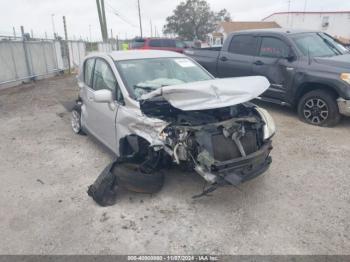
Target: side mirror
[
  {"x": 291, "y": 56},
  {"x": 103, "y": 96}
]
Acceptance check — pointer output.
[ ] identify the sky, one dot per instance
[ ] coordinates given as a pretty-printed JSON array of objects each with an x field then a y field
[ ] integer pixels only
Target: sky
[{"x": 41, "y": 16}]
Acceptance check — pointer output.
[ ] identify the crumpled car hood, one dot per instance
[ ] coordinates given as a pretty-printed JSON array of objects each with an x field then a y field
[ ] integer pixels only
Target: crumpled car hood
[{"x": 211, "y": 94}]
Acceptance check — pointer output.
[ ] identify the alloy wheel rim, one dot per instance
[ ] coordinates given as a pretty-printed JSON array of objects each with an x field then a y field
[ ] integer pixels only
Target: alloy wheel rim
[
  {"x": 316, "y": 111},
  {"x": 75, "y": 121}
]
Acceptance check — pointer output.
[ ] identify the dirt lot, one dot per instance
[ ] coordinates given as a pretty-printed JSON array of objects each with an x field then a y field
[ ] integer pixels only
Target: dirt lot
[{"x": 300, "y": 206}]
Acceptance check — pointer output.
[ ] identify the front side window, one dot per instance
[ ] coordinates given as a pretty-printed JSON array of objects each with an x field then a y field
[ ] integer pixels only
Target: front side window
[
  {"x": 273, "y": 47},
  {"x": 88, "y": 71},
  {"x": 243, "y": 45},
  {"x": 146, "y": 75},
  {"x": 104, "y": 79},
  {"x": 103, "y": 76}
]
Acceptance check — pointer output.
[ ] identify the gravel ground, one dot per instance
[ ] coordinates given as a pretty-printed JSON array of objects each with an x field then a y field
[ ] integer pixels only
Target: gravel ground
[{"x": 300, "y": 206}]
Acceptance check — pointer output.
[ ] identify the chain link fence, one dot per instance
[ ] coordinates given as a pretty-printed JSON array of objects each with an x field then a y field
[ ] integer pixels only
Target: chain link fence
[{"x": 23, "y": 60}]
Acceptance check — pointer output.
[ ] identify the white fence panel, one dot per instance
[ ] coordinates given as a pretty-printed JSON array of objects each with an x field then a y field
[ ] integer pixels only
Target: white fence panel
[
  {"x": 12, "y": 61},
  {"x": 77, "y": 52},
  {"x": 104, "y": 47}
]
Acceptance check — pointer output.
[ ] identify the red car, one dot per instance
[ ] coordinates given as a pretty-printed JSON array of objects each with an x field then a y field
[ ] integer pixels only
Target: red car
[{"x": 158, "y": 44}]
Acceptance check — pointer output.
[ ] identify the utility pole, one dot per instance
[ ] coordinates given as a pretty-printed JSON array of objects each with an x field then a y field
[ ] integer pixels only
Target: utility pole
[
  {"x": 102, "y": 18},
  {"x": 138, "y": 4},
  {"x": 26, "y": 53},
  {"x": 66, "y": 38},
  {"x": 14, "y": 32},
  {"x": 150, "y": 21},
  {"x": 305, "y": 5},
  {"x": 90, "y": 40},
  {"x": 53, "y": 26},
  {"x": 288, "y": 13}
]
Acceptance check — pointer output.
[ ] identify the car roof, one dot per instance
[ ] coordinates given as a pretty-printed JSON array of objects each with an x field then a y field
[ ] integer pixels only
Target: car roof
[
  {"x": 142, "y": 54},
  {"x": 284, "y": 31}
]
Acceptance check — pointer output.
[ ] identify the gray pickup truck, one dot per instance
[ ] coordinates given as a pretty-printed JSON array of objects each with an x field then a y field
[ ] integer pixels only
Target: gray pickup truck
[{"x": 309, "y": 71}]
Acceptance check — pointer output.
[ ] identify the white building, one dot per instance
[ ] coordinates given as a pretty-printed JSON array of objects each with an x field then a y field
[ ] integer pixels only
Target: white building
[
  {"x": 336, "y": 24},
  {"x": 218, "y": 37}
]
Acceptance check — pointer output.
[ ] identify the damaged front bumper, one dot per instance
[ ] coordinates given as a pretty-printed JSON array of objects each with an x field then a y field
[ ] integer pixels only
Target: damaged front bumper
[{"x": 239, "y": 170}]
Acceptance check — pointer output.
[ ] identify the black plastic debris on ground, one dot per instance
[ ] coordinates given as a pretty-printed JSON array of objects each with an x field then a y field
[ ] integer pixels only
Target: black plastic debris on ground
[
  {"x": 104, "y": 189},
  {"x": 130, "y": 173}
]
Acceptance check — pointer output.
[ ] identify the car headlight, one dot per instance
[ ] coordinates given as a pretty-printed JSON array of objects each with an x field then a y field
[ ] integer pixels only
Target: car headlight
[
  {"x": 269, "y": 127},
  {"x": 345, "y": 77}
]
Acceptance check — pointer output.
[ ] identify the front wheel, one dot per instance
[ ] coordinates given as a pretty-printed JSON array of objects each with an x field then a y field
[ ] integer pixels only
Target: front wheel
[
  {"x": 76, "y": 120},
  {"x": 320, "y": 108}
]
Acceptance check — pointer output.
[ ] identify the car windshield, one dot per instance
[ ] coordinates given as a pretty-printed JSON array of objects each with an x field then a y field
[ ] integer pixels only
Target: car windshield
[
  {"x": 334, "y": 42},
  {"x": 145, "y": 75},
  {"x": 318, "y": 45}
]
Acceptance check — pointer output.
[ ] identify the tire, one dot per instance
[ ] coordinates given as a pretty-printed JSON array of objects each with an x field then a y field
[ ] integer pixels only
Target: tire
[
  {"x": 319, "y": 108},
  {"x": 131, "y": 177},
  {"x": 76, "y": 120}
]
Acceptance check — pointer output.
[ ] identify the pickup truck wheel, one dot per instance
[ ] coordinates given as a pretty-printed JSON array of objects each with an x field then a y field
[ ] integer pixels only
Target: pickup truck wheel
[
  {"x": 319, "y": 108},
  {"x": 76, "y": 120}
]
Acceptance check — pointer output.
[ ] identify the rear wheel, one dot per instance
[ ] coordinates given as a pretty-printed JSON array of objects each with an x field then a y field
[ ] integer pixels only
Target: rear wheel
[{"x": 319, "y": 107}]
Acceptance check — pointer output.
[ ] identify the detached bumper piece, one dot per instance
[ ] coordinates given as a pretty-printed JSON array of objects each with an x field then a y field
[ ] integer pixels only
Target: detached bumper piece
[
  {"x": 128, "y": 173},
  {"x": 104, "y": 189},
  {"x": 242, "y": 169}
]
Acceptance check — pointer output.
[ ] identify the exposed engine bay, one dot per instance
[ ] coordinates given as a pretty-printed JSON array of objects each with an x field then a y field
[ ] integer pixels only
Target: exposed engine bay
[{"x": 216, "y": 143}]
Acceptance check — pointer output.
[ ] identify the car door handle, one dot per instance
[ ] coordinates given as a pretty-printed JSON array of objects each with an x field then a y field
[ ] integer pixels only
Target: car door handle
[
  {"x": 223, "y": 58},
  {"x": 259, "y": 63}
]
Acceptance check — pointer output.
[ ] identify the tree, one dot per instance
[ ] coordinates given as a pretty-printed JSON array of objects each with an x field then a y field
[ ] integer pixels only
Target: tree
[
  {"x": 194, "y": 19},
  {"x": 223, "y": 16}
]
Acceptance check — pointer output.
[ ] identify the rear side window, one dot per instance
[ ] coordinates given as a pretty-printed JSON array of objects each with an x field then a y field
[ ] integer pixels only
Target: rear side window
[
  {"x": 273, "y": 47},
  {"x": 162, "y": 43},
  {"x": 168, "y": 43},
  {"x": 88, "y": 69},
  {"x": 155, "y": 43},
  {"x": 138, "y": 43},
  {"x": 243, "y": 45}
]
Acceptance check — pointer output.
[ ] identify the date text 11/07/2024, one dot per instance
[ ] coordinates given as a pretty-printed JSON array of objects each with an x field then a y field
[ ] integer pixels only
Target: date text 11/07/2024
[{"x": 173, "y": 258}]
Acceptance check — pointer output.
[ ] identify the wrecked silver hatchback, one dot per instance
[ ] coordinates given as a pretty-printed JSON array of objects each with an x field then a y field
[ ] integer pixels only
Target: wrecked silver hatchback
[{"x": 156, "y": 108}]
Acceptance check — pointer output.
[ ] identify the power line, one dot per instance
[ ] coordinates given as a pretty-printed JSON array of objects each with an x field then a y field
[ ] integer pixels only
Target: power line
[{"x": 115, "y": 12}]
